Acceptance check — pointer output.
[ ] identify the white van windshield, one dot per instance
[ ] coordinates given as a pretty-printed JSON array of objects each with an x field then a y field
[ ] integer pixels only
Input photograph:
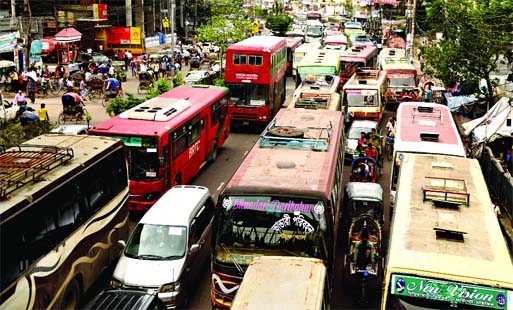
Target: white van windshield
[{"x": 157, "y": 242}]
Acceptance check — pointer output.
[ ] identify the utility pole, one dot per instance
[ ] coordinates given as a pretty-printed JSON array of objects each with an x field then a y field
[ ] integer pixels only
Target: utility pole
[
  {"x": 128, "y": 10},
  {"x": 410, "y": 40},
  {"x": 171, "y": 9}
]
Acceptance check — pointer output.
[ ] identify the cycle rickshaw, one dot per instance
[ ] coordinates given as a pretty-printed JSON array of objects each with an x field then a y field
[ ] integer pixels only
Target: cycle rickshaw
[
  {"x": 73, "y": 109},
  {"x": 364, "y": 169},
  {"x": 146, "y": 79},
  {"x": 111, "y": 89}
]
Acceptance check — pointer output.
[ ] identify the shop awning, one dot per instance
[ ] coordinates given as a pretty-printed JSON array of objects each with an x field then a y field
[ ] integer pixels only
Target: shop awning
[{"x": 68, "y": 35}]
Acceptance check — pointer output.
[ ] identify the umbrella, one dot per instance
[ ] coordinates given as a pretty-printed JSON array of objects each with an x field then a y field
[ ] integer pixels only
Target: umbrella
[{"x": 6, "y": 64}]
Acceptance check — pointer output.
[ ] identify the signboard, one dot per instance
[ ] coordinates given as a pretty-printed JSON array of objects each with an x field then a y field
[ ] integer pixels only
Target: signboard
[
  {"x": 246, "y": 76},
  {"x": 135, "y": 35},
  {"x": 7, "y": 42},
  {"x": 324, "y": 70},
  {"x": 124, "y": 35},
  {"x": 101, "y": 35},
  {"x": 100, "y": 11},
  {"x": 36, "y": 47},
  {"x": 452, "y": 292}
]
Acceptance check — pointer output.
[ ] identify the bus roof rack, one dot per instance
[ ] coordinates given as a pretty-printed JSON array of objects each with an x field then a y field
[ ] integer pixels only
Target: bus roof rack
[
  {"x": 24, "y": 163},
  {"x": 446, "y": 190},
  {"x": 427, "y": 112},
  {"x": 291, "y": 137}
]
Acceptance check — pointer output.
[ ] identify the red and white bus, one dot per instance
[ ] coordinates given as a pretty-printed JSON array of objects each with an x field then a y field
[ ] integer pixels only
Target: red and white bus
[
  {"x": 169, "y": 138},
  {"x": 314, "y": 15},
  {"x": 401, "y": 74},
  {"x": 255, "y": 74},
  {"x": 423, "y": 128},
  {"x": 283, "y": 200},
  {"x": 357, "y": 58},
  {"x": 292, "y": 44}
]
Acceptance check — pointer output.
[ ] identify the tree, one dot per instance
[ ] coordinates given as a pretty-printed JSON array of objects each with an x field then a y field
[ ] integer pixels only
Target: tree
[
  {"x": 475, "y": 34},
  {"x": 278, "y": 24},
  {"x": 226, "y": 25}
]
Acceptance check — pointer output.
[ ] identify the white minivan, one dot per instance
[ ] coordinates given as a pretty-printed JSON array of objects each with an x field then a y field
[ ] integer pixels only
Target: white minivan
[{"x": 169, "y": 246}]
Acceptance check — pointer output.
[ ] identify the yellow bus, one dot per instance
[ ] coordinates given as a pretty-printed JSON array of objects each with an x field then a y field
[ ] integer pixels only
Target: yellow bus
[
  {"x": 318, "y": 63},
  {"x": 446, "y": 248},
  {"x": 364, "y": 94},
  {"x": 317, "y": 94},
  {"x": 301, "y": 51}
]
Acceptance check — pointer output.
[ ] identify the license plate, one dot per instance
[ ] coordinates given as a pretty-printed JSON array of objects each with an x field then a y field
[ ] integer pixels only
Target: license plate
[{"x": 245, "y": 123}]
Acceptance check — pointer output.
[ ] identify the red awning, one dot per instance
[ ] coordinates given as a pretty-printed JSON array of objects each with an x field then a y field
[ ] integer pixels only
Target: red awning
[{"x": 67, "y": 35}]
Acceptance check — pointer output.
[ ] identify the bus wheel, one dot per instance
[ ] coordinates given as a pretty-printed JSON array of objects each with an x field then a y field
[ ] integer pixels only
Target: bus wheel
[
  {"x": 214, "y": 152},
  {"x": 72, "y": 296}
]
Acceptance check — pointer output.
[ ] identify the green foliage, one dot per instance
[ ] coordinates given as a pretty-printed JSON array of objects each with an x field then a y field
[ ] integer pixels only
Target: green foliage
[
  {"x": 13, "y": 133},
  {"x": 161, "y": 86},
  {"x": 219, "y": 81},
  {"x": 259, "y": 12},
  {"x": 119, "y": 105},
  {"x": 279, "y": 24},
  {"x": 178, "y": 79},
  {"x": 475, "y": 33}
]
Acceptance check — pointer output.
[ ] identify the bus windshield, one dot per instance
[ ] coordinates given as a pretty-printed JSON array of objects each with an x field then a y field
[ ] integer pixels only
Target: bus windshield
[
  {"x": 401, "y": 79},
  {"x": 248, "y": 94},
  {"x": 143, "y": 162},
  {"x": 362, "y": 98},
  {"x": 256, "y": 225},
  {"x": 314, "y": 31}
]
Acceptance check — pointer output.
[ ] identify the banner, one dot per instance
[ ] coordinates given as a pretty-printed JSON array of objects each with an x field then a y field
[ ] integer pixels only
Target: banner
[
  {"x": 36, "y": 48},
  {"x": 135, "y": 35},
  {"x": 7, "y": 42},
  {"x": 100, "y": 11},
  {"x": 451, "y": 292}
]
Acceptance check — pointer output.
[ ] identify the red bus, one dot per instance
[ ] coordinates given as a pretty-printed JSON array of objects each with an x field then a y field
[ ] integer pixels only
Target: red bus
[
  {"x": 255, "y": 75},
  {"x": 169, "y": 138},
  {"x": 292, "y": 44},
  {"x": 283, "y": 200},
  {"x": 355, "y": 58}
]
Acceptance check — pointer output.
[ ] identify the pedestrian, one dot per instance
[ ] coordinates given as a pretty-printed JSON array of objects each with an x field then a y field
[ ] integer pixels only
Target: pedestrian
[
  {"x": 428, "y": 93},
  {"x": 125, "y": 59},
  {"x": 421, "y": 60},
  {"x": 42, "y": 113},
  {"x": 19, "y": 98},
  {"x": 13, "y": 76},
  {"x": 133, "y": 67},
  {"x": 31, "y": 90},
  {"x": 83, "y": 89}
]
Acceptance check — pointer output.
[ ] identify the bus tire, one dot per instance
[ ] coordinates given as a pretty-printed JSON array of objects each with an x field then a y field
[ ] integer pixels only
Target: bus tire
[
  {"x": 286, "y": 132},
  {"x": 71, "y": 297},
  {"x": 214, "y": 152}
]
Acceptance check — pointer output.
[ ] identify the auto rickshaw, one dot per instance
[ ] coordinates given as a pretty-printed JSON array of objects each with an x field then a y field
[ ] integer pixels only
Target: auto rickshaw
[
  {"x": 72, "y": 109},
  {"x": 119, "y": 70}
]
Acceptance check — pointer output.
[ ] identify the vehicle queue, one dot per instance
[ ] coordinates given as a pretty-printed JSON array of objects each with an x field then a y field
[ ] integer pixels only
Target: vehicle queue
[{"x": 286, "y": 199}]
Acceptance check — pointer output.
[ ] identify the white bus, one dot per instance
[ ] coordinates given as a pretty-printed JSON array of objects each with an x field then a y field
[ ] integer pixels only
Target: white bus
[
  {"x": 63, "y": 209},
  {"x": 446, "y": 249},
  {"x": 301, "y": 51},
  {"x": 424, "y": 128}
]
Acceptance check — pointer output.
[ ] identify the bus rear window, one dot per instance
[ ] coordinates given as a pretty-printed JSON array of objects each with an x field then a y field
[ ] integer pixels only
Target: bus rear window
[
  {"x": 239, "y": 59},
  {"x": 255, "y": 60}
]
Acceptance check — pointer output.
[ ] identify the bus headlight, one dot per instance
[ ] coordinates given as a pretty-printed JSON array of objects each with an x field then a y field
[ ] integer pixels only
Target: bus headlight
[
  {"x": 170, "y": 287},
  {"x": 114, "y": 283},
  {"x": 150, "y": 196}
]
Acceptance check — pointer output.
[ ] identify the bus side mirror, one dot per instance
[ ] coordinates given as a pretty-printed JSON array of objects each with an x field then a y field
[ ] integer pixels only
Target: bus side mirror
[
  {"x": 161, "y": 161},
  {"x": 122, "y": 243}
]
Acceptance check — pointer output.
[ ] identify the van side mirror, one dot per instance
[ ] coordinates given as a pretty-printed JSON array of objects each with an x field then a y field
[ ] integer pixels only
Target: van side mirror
[
  {"x": 122, "y": 243},
  {"x": 194, "y": 249}
]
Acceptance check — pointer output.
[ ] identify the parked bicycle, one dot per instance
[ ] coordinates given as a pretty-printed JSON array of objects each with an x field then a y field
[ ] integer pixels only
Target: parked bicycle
[{"x": 389, "y": 147}]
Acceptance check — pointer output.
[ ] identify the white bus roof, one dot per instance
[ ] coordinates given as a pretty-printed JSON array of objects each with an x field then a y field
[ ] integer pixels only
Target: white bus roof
[
  {"x": 424, "y": 238},
  {"x": 368, "y": 79},
  {"x": 391, "y": 63},
  {"x": 44, "y": 160},
  {"x": 438, "y": 125},
  {"x": 282, "y": 282},
  {"x": 306, "y": 47}
]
